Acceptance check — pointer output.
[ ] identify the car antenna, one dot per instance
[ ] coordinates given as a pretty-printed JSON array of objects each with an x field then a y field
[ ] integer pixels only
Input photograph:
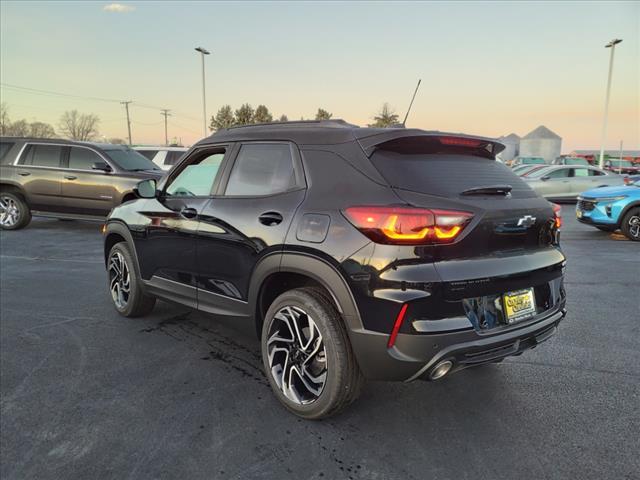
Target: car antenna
[{"x": 411, "y": 104}]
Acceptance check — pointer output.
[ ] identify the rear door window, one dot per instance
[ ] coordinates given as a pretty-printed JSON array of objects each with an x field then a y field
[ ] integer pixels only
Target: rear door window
[
  {"x": 262, "y": 169},
  {"x": 42, "y": 156},
  {"x": 445, "y": 174},
  {"x": 83, "y": 158},
  {"x": 580, "y": 172},
  {"x": 560, "y": 173}
]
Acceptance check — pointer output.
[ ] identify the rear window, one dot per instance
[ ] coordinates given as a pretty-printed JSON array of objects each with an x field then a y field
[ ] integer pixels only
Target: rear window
[
  {"x": 42, "y": 156},
  {"x": 445, "y": 175},
  {"x": 148, "y": 153}
]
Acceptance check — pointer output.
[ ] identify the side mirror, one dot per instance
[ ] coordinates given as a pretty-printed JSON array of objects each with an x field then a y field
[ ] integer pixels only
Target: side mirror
[
  {"x": 146, "y": 188},
  {"x": 102, "y": 166},
  {"x": 545, "y": 178}
]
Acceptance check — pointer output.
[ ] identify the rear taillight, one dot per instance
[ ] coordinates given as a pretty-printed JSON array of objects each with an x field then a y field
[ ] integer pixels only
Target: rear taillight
[
  {"x": 557, "y": 209},
  {"x": 407, "y": 225},
  {"x": 461, "y": 141}
]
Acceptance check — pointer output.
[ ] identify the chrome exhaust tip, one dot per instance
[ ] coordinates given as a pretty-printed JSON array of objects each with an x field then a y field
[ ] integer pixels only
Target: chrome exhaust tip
[{"x": 440, "y": 370}]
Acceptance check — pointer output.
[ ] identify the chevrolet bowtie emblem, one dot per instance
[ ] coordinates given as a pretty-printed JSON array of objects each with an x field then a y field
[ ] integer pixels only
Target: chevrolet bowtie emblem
[{"x": 526, "y": 221}]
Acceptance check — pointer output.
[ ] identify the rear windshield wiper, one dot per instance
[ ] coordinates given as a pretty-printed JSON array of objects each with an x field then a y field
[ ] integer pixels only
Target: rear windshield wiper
[{"x": 489, "y": 190}]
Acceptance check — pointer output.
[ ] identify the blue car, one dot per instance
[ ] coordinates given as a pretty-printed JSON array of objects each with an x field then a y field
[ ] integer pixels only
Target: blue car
[{"x": 612, "y": 208}]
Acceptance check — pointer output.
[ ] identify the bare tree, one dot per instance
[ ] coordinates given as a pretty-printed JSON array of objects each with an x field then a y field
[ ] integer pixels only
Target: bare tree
[
  {"x": 19, "y": 128},
  {"x": 79, "y": 126},
  {"x": 4, "y": 118},
  {"x": 41, "y": 130}
]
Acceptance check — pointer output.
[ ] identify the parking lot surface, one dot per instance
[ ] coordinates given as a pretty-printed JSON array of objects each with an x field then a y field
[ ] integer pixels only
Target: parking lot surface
[{"x": 86, "y": 393}]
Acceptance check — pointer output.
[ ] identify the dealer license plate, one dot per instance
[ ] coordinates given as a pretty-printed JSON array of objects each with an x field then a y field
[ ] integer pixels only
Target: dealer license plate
[{"x": 519, "y": 305}]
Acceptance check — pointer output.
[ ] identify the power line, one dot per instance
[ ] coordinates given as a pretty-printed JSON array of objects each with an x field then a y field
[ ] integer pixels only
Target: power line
[{"x": 38, "y": 91}]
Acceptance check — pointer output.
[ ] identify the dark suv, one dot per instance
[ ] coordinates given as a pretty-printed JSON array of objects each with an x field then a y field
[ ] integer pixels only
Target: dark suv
[
  {"x": 355, "y": 253},
  {"x": 66, "y": 179}
]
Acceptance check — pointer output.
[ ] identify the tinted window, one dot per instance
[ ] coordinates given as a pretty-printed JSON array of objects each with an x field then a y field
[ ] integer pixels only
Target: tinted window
[
  {"x": 129, "y": 159},
  {"x": 445, "y": 174},
  {"x": 148, "y": 153},
  {"x": 83, "y": 158},
  {"x": 575, "y": 161},
  {"x": 197, "y": 178},
  {"x": 262, "y": 170},
  {"x": 560, "y": 173},
  {"x": 42, "y": 156},
  {"x": 4, "y": 148},
  {"x": 595, "y": 173},
  {"x": 173, "y": 157},
  {"x": 580, "y": 172}
]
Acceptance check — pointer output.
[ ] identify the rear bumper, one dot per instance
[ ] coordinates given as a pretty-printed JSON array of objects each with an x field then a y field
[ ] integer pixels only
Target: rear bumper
[{"x": 414, "y": 356}]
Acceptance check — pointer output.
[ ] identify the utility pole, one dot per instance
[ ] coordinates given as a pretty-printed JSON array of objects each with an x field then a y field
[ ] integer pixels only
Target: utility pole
[
  {"x": 612, "y": 45},
  {"x": 126, "y": 107},
  {"x": 203, "y": 52},
  {"x": 165, "y": 113},
  {"x": 620, "y": 149}
]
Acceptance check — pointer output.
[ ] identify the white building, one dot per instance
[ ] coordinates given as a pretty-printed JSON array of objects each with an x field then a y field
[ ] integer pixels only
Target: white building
[
  {"x": 512, "y": 147},
  {"x": 541, "y": 142}
]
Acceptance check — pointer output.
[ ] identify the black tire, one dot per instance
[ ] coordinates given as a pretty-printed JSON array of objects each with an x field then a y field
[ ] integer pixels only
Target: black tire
[
  {"x": 606, "y": 229},
  {"x": 136, "y": 303},
  {"x": 343, "y": 380},
  {"x": 20, "y": 215},
  {"x": 631, "y": 224}
]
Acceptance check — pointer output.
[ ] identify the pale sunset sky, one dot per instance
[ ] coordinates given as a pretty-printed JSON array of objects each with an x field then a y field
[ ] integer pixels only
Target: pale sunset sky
[{"x": 488, "y": 68}]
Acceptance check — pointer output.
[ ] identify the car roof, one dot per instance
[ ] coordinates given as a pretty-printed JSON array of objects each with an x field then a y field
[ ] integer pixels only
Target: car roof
[
  {"x": 64, "y": 141},
  {"x": 328, "y": 132},
  {"x": 160, "y": 148}
]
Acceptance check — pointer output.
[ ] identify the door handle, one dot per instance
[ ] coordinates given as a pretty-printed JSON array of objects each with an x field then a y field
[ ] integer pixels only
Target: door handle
[
  {"x": 270, "y": 218},
  {"x": 189, "y": 213},
  {"x": 24, "y": 174},
  {"x": 70, "y": 177}
]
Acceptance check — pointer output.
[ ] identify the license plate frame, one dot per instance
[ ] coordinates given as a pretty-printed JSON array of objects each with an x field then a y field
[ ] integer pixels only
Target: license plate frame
[{"x": 519, "y": 305}]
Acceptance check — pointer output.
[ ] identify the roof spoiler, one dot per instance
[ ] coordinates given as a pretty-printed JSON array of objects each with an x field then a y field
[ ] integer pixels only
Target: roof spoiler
[{"x": 396, "y": 137}]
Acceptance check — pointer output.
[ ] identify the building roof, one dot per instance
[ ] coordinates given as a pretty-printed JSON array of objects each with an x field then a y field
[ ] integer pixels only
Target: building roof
[
  {"x": 541, "y": 132},
  {"x": 625, "y": 153},
  {"x": 512, "y": 137}
]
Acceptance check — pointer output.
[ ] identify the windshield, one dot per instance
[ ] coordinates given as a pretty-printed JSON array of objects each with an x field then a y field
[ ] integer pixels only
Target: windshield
[
  {"x": 575, "y": 161},
  {"x": 621, "y": 163},
  {"x": 532, "y": 161},
  {"x": 130, "y": 160}
]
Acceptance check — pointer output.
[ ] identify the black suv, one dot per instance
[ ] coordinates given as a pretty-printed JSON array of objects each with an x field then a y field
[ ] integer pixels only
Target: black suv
[
  {"x": 66, "y": 179},
  {"x": 356, "y": 253}
]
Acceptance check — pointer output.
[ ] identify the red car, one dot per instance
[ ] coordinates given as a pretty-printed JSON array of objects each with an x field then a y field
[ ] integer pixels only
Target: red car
[{"x": 621, "y": 166}]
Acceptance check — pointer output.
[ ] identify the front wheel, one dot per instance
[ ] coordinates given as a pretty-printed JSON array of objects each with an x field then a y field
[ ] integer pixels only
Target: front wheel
[
  {"x": 125, "y": 284},
  {"x": 14, "y": 212},
  {"x": 631, "y": 225},
  {"x": 307, "y": 355}
]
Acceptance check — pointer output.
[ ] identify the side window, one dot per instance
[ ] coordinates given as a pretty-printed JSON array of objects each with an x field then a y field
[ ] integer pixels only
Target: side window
[
  {"x": 42, "y": 156},
  {"x": 595, "y": 173},
  {"x": 4, "y": 148},
  {"x": 83, "y": 158},
  {"x": 196, "y": 179},
  {"x": 560, "y": 173},
  {"x": 580, "y": 172},
  {"x": 173, "y": 157},
  {"x": 148, "y": 153},
  {"x": 262, "y": 169}
]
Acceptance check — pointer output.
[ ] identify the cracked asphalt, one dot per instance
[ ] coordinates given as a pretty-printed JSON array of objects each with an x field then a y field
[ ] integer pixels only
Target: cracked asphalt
[{"x": 86, "y": 393}]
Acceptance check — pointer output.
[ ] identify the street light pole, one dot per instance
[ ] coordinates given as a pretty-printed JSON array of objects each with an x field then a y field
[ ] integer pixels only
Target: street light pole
[
  {"x": 612, "y": 45},
  {"x": 203, "y": 52}
]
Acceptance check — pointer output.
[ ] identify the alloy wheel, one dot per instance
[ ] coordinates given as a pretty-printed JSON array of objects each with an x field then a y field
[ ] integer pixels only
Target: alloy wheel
[
  {"x": 9, "y": 212},
  {"x": 634, "y": 226},
  {"x": 119, "y": 280},
  {"x": 297, "y": 356}
]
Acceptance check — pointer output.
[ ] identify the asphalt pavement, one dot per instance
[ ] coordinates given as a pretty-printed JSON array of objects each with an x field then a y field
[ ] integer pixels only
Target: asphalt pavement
[{"x": 86, "y": 393}]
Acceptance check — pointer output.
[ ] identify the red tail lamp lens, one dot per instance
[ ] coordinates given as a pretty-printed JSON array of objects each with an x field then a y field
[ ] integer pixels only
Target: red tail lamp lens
[
  {"x": 460, "y": 142},
  {"x": 407, "y": 225}
]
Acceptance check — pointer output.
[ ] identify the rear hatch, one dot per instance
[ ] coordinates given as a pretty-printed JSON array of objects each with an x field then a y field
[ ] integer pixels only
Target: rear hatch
[{"x": 511, "y": 241}]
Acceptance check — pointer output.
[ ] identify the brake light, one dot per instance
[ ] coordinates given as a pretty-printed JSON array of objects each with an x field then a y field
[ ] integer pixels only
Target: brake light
[
  {"x": 407, "y": 225},
  {"x": 460, "y": 141},
  {"x": 396, "y": 326},
  {"x": 557, "y": 209}
]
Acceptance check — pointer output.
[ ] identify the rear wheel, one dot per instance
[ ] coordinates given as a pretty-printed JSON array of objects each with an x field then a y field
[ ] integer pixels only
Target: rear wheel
[
  {"x": 125, "y": 284},
  {"x": 631, "y": 225},
  {"x": 14, "y": 212},
  {"x": 307, "y": 355}
]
